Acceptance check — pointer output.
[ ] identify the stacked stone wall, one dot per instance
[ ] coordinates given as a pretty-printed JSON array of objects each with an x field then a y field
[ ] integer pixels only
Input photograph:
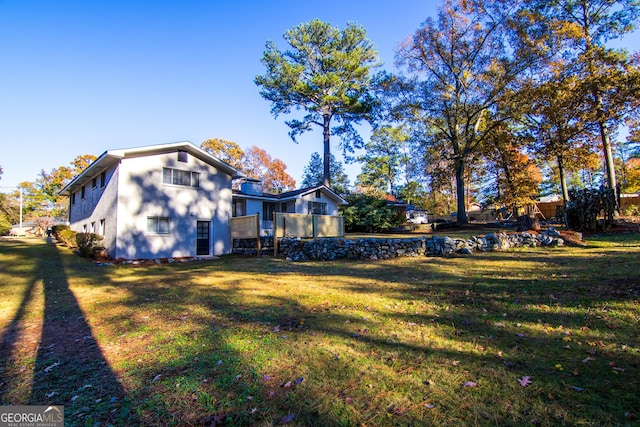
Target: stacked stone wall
[{"x": 327, "y": 249}]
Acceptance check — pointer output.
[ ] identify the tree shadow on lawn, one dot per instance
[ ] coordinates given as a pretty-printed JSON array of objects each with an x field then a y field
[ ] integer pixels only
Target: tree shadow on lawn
[
  {"x": 488, "y": 329},
  {"x": 19, "y": 334},
  {"x": 70, "y": 368}
]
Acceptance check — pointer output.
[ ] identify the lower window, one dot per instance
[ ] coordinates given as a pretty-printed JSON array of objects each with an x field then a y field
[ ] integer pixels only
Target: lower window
[{"x": 158, "y": 225}]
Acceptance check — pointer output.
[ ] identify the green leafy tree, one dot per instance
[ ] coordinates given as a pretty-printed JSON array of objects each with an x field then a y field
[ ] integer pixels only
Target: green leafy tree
[
  {"x": 326, "y": 72},
  {"x": 41, "y": 197},
  {"x": 385, "y": 159},
  {"x": 584, "y": 26},
  {"x": 5, "y": 224},
  {"x": 369, "y": 214},
  {"x": 557, "y": 123},
  {"x": 463, "y": 72},
  {"x": 313, "y": 174},
  {"x": 517, "y": 178}
]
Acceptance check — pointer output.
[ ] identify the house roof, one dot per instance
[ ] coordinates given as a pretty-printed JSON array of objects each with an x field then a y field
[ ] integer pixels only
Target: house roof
[
  {"x": 550, "y": 198},
  {"x": 108, "y": 158},
  {"x": 294, "y": 194}
]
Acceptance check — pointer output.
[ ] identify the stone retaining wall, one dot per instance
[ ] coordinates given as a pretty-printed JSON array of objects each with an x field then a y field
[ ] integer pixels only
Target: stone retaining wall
[{"x": 383, "y": 248}]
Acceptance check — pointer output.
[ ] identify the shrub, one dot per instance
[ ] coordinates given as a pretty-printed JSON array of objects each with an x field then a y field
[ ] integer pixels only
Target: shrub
[
  {"x": 5, "y": 225},
  {"x": 586, "y": 205},
  {"x": 86, "y": 242},
  {"x": 68, "y": 238},
  {"x": 369, "y": 214},
  {"x": 57, "y": 229},
  {"x": 633, "y": 210}
]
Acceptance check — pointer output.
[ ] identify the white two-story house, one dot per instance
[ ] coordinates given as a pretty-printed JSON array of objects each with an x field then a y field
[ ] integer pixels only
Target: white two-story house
[{"x": 168, "y": 200}]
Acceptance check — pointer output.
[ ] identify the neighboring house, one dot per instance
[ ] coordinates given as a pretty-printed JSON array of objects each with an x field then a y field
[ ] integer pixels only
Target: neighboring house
[
  {"x": 28, "y": 229},
  {"x": 249, "y": 200},
  {"x": 159, "y": 201}
]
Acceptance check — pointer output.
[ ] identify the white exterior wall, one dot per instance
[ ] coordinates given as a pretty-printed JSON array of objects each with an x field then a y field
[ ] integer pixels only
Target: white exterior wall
[
  {"x": 98, "y": 205},
  {"x": 302, "y": 204},
  {"x": 142, "y": 194}
]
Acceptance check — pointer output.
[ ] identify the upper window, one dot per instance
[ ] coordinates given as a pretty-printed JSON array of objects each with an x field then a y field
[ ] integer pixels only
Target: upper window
[
  {"x": 82, "y": 193},
  {"x": 183, "y": 156},
  {"x": 94, "y": 182},
  {"x": 73, "y": 198},
  {"x": 103, "y": 179},
  {"x": 180, "y": 177},
  {"x": 317, "y": 208}
]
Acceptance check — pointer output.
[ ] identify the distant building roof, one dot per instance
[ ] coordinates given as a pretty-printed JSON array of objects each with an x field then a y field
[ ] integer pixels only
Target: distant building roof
[{"x": 550, "y": 198}]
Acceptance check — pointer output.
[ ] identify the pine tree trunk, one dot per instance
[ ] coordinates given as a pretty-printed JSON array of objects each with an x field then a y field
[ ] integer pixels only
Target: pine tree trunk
[
  {"x": 327, "y": 150},
  {"x": 608, "y": 156}
]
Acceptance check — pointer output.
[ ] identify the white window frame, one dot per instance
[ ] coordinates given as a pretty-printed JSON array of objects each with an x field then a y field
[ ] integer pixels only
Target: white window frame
[
  {"x": 175, "y": 177},
  {"x": 158, "y": 225},
  {"x": 322, "y": 205}
]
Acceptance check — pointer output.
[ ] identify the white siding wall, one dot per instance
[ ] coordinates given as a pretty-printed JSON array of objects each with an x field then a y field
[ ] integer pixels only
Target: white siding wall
[
  {"x": 141, "y": 194},
  {"x": 302, "y": 205},
  {"x": 98, "y": 205}
]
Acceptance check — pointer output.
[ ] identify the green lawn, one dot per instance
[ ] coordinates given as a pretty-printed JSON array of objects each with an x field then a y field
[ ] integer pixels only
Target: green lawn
[{"x": 529, "y": 337}]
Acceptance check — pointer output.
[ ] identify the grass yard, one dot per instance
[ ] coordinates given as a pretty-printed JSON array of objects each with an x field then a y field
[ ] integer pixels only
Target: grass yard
[{"x": 530, "y": 337}]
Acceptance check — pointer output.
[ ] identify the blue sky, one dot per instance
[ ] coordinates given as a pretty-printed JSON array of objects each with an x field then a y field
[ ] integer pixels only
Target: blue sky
[{"x": 83, "y": 77}]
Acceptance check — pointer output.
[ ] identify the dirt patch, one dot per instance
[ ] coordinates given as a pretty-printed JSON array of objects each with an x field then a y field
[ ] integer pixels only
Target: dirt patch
[{"x": 627, "y": 224}]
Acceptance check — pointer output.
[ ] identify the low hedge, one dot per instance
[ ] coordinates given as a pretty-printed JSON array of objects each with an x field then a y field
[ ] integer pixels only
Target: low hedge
[
  {"x": 86, "y": 242},
  {"x": 67, "y": 237}
]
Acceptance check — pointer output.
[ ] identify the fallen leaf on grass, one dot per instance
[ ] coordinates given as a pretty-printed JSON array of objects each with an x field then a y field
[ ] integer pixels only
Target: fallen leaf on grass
[
  {"x": 50, "y": 367},
  {"x": 470, "y": 384},
  {"x": 298, "y": 381},
  {"x": 50, "y": 395},
  {"x": 156, "y": 378},
  {"x": 253, "y": 411},
  {"x": 525, "y": 381},
  {"x": 576, "y": 388},
  {"x": 429, "y": 406},
  {"x": 287, "y": 418}
]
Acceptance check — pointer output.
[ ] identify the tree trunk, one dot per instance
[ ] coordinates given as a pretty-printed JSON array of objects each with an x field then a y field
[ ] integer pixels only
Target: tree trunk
[
  {"x": 460, "y": 192},
  {"x": 608, "y": 156},
  {"x": 326, "y": 133},
  {"x": 563, "y": 180}
]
